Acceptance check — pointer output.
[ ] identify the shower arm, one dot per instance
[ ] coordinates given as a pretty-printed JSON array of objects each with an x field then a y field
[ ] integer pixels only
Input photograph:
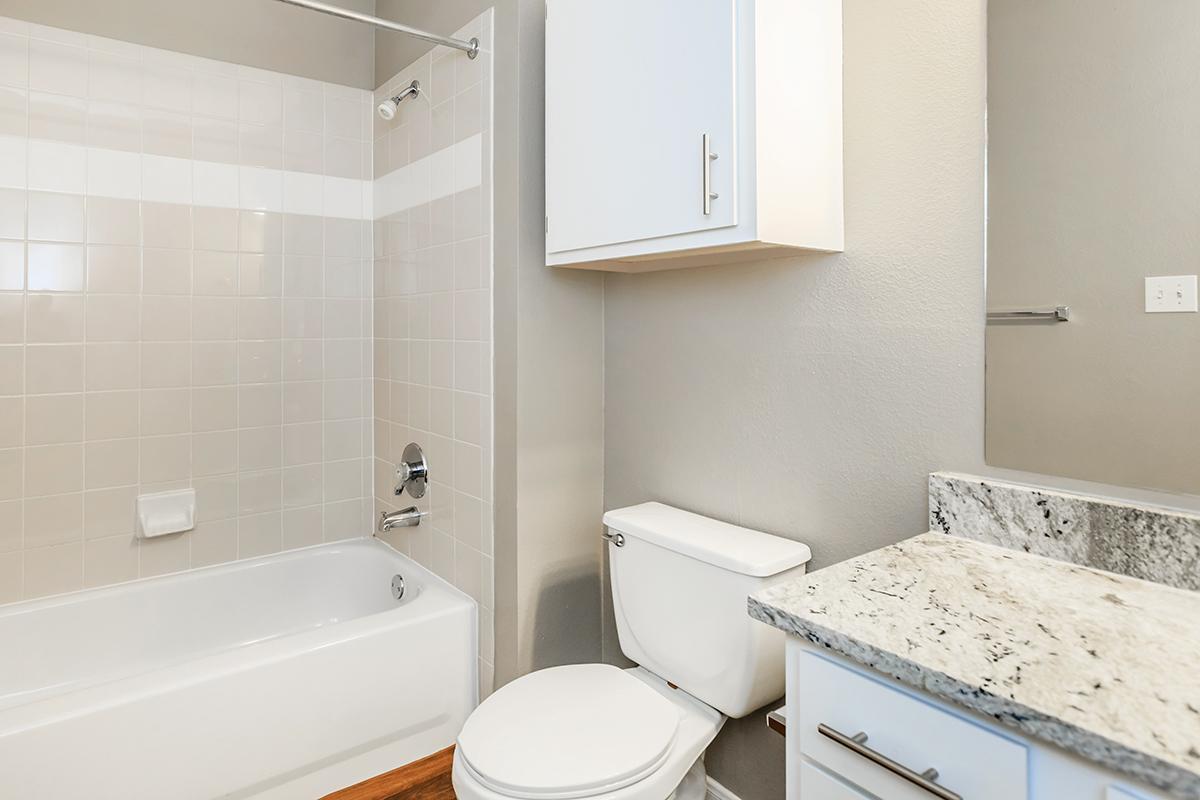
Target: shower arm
[
  {"x": 471, "y": 48},
  {"x": 412, "y": 89}
]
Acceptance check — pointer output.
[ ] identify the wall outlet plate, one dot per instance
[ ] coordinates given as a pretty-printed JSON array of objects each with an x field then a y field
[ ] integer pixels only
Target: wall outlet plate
[{"x": 1170, "y": 293}]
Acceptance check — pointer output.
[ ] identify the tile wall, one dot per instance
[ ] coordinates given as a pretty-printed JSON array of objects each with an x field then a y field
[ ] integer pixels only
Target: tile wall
[
  {"x": 185, "y": 279},
  {"x": 433, "y": 313}
]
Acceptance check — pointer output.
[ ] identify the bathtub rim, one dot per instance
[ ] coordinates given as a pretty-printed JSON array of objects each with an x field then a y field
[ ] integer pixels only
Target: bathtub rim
[
  {"x": 242, "y": 564},
  {"x": 94, "y": 695}
]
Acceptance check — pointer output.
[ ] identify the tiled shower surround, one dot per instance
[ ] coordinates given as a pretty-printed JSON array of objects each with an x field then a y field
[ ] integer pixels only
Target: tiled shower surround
[
  {"x": 191, "y": 254},
  {"x": 184, "y": 301},
  {"x": 433, "y": 306}
]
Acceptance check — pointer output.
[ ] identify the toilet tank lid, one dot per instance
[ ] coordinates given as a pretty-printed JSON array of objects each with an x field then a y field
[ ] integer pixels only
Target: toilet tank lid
[{"x": 730, "y": 547}]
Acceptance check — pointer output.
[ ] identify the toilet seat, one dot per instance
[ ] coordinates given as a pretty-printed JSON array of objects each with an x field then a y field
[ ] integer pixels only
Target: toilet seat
[{"x": 568, "y": 732}]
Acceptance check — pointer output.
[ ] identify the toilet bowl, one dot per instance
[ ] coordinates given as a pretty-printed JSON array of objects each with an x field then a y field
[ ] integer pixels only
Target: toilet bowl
[
  {"x": 679, "y": 584},
  {"x": 585, "y": 730}
]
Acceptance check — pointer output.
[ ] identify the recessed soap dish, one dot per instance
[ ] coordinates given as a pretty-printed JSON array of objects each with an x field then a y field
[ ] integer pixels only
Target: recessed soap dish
[{"x": 164, "y": 513}]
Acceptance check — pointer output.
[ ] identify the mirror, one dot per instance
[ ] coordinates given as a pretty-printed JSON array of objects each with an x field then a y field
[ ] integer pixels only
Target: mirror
[{"x": 1093, "y": 185}]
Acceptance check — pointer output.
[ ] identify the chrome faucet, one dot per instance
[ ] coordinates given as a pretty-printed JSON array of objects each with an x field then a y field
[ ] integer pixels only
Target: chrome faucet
[{"x": 404, "y": 518}]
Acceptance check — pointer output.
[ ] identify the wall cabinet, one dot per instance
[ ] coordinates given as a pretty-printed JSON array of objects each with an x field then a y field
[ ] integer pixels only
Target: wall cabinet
[
  {"x": 690, "y": 132},
  {"x": 960, "y": 752}
]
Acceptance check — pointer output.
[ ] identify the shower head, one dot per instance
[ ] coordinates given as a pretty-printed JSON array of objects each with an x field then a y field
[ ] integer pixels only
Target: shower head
[{"x": 387, "y": 109}]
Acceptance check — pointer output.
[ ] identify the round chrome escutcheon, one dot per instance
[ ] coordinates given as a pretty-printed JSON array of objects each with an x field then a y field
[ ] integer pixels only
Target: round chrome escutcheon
[{"x": 398, "y": 586}]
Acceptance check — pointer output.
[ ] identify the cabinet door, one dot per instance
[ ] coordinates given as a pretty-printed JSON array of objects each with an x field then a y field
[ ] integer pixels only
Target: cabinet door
[
  {"x": 632, "y": 87},
  {"x": 815, "y": 784}
]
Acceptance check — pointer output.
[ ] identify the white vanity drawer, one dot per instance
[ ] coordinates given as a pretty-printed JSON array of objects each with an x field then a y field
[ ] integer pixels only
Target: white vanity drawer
[
  {"x": 816, "y": 784},
  {"x": 971, "y": 761}
]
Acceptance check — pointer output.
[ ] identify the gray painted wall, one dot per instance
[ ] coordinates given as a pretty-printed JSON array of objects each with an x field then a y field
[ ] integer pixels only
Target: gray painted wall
[
  {"x": 809, "y": 397},
  {"x": 550, "y": 366},
  {"x": 259, "y": 33}
]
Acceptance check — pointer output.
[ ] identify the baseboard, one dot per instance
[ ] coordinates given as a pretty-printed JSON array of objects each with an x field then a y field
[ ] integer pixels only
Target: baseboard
[{"x": 718, "y": 792}]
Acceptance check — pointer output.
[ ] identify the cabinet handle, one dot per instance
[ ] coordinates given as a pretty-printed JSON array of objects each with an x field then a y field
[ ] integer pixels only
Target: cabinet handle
[
  {"x": 857, "y": 745},
  {"x": 709, "y": 157}
]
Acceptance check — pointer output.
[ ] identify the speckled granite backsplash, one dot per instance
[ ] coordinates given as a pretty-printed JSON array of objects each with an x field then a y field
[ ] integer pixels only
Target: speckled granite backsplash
[{"x": 1140, "y": 541}]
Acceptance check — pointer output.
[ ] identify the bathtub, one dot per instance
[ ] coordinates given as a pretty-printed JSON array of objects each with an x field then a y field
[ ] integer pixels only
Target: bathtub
[{"x": 287, "y": 676}]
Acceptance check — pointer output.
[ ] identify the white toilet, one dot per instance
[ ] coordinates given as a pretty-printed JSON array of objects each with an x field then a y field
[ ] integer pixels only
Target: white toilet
[{"x": 679, "y": 585}]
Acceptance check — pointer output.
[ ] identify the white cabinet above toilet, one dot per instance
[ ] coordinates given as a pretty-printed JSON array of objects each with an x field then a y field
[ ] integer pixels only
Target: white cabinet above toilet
[{"x": 690, "y": 133}]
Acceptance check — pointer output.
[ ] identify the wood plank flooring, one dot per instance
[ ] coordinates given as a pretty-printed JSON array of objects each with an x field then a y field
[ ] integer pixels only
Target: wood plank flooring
[{"x": 427, "y": 779}]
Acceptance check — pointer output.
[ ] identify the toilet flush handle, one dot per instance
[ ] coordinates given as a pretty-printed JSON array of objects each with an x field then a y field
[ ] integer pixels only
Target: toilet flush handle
[{"x": 615, "y": 538}]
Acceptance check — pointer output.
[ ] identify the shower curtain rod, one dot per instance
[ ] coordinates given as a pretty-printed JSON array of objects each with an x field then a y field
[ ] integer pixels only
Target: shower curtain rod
[{"x": 471, "y": 48}]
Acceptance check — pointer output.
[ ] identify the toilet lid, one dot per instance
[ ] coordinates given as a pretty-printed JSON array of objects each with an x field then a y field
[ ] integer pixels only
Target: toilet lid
[{"x": 568, "y": 732}]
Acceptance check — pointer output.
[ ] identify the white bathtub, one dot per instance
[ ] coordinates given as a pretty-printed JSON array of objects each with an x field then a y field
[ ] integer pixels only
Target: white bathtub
[{"x": 280, "y": 677}]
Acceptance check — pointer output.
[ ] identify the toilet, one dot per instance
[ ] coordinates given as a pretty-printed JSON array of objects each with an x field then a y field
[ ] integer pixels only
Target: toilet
[{"x": 679, "y": 588}]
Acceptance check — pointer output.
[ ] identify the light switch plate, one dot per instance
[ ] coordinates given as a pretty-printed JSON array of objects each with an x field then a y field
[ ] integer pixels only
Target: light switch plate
[{"x": 1170, "y": 293}]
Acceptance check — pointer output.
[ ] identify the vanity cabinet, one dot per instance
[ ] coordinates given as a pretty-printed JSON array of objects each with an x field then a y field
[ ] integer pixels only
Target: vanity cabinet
[
  {"x": 691, "y": 133},
  {"x": 855, "y": 734}
]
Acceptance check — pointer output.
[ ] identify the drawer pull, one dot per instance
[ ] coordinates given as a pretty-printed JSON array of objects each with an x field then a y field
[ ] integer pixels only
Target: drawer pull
[{"x": 857, "y": 744}]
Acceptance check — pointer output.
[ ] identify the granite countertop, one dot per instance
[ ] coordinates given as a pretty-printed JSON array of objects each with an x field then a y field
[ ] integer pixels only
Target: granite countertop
[{"x": 1100, "y": 664}]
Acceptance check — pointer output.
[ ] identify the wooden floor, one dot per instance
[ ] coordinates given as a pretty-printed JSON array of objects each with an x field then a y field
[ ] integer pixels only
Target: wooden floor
[{"x": 427, "y": 779}]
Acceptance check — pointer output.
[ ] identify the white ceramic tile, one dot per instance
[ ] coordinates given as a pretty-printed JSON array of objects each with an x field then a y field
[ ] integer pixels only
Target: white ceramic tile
[
  {"x": 13, "y": 162},
  {"x": 215, "y": 184},
  {"x": 12, "y": 266},
  {"x": 57, "y": 167},
  {"x": 468, "y": 163},
  {"x": 166, "y": 179},
  {"x": 260, "y": 189},
  {"x": 113, "y": 173},
  {"x": 343, "y": 198},
  {"x": 303, "y": 193}
]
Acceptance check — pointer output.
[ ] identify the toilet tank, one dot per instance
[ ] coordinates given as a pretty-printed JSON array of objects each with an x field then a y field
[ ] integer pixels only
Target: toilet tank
[{"x": 680, "y": 583}]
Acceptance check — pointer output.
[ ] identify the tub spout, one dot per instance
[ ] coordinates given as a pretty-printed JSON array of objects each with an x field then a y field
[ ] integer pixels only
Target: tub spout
[{"x": 404, "y": 518}]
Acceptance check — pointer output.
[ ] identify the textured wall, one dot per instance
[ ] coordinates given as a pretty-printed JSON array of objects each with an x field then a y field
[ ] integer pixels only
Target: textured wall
[
  {"x": 810, "y": 397},
  {"x": 259, "y": 33}
]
